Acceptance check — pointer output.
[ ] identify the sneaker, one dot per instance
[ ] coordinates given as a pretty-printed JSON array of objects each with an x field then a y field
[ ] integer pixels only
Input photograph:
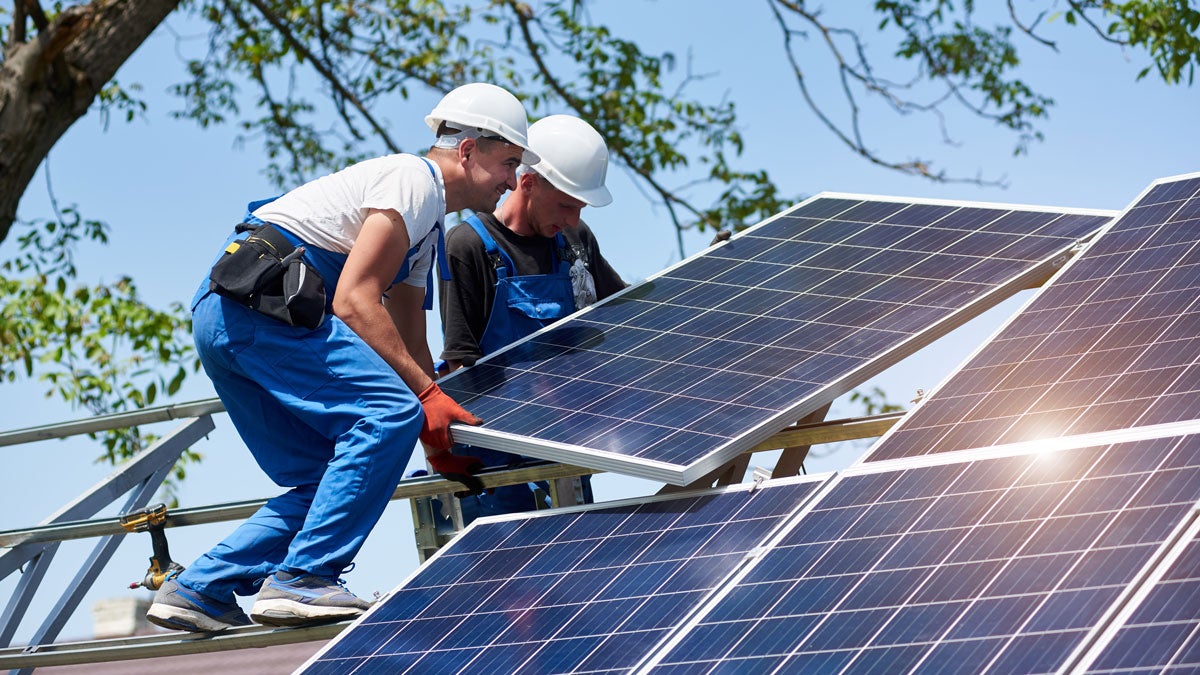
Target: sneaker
[
  {"x": 305, "y": 600},
  {"x": 178, "y": 608}
]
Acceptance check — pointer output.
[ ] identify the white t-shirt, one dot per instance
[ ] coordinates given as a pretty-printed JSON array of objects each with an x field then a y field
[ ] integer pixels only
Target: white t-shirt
[{"x": 329, "y": 212}]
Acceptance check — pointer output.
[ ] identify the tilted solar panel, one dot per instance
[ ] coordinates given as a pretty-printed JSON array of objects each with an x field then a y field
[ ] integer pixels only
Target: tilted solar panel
[
  {"x": 1002, "y": 565},
  {"x": 677, "y": 375},
  {"x": 581, "y": 590},
  {"x": 1162, "y": 635},
  {"x": 1020, "y": 558},
  {"x": 1109, "y": 344}
]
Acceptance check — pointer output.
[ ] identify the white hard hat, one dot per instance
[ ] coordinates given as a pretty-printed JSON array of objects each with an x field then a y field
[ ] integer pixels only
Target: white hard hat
[
  {"x": 480, "y": 107},
  {"x": 574, "y": 157}
]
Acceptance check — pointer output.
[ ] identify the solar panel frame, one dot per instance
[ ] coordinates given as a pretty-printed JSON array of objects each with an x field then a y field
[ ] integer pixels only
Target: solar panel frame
[
  {"x": 1176, "y": 537},
  {"x": 683, "y": 468},
  {"x": 970, "y": 377},
  {"x": 883, "y": 477},
  {"x": 450, "y": 589},
  {"x": 1155, "y": 608}
]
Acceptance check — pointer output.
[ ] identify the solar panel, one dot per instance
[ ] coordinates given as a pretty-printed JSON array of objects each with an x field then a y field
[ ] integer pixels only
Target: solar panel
[
  {"x": 677, "y": 375},
  {"x": 1026, "y": 557},
  {"x": 1109, "y": 344},
  {"x": 1162, "y": 635},
  {"x": 997, "y": 564},
  {"x": 579, "y": 590}
]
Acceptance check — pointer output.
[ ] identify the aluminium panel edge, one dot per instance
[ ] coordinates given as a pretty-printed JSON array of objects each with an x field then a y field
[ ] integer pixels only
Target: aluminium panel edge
[{"x": 1062, "y": 271}]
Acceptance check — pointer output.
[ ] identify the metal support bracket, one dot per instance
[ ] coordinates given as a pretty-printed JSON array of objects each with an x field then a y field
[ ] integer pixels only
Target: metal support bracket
[{"x": 142, "y": 476}]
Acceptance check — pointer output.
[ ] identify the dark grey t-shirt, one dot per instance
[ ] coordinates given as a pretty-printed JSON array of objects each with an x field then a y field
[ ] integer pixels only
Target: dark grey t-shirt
[{"x": 466, "y": 302}]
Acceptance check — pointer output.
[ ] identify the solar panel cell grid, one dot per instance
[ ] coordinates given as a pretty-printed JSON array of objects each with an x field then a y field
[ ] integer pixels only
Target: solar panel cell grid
[
  {"x": 1002, "y": 565},
  {"x": 1109, "y": 345},
  {"x": 1004, "y": 560},
  {"x": 1163, "y": 633},
  {"x": 587, "y": 591},
  {"x": 767, "y": 321}
]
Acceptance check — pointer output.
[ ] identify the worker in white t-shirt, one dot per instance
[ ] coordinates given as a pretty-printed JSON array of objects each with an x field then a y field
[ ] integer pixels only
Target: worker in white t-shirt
[{"x": 311, "y": 326}]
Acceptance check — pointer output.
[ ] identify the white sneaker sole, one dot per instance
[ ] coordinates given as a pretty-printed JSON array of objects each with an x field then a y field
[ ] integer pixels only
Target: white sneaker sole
[
  {"x": 281, "y": 612},
  {"x": 177, "y": 618}
]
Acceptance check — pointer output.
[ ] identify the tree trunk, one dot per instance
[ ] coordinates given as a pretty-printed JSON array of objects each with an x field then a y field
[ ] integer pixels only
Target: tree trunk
[{"x": 49, "y": 82}]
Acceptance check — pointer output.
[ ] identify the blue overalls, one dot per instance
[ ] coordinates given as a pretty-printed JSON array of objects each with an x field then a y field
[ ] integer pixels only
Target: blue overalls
[
  {"x": 523, "y": 305},
  {"x": 323, "y": 414}
]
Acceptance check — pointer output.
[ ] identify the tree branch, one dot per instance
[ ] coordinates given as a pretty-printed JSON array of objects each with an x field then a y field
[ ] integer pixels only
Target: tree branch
[
  {"x": 1099, "y": 31},
  {"x": 524, "y": 18},
  {"x": 854, "y": 139},
  {"x": 34, "y": 11},
  {"x": 1029, "y": 30},
  {"x": 17, "y": 34},
  {"x": 323, "y": 71},
  {"x": 31, "y": 62}
]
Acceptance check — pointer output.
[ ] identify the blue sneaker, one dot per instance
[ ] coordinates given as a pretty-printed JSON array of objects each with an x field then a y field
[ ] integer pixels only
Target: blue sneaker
[
  {"x": 178, "y": 608},
  {"x": 303, "y": 600}
]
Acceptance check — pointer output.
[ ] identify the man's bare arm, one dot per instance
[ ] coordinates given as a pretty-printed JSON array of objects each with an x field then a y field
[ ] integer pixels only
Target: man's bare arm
[
  {"x": 406, "y": 305},
  {"x": 370, "y": 268}
]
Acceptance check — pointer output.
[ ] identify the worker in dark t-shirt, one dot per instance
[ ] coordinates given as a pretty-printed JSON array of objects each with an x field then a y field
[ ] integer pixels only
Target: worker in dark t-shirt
[
  {"x": 525, "y": 266},
  {"x": 466, "y": 315}
]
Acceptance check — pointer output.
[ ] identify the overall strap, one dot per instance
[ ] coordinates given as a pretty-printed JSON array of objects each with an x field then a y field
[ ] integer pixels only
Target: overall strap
[
  {"x": 561, "y": 248},
  {"x": 501, "y": 260},
  {"x": 439, "y": 253},
  {"x": 250, "y": 218},
  {"x": 406, "y": 266},
  {"x": 442, "y": 264}
]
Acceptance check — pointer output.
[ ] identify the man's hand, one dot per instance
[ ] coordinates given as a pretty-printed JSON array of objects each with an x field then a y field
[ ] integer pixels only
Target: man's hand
[
  {"x": 458, "y": 468},
  {"x": 440, "y": 411}
]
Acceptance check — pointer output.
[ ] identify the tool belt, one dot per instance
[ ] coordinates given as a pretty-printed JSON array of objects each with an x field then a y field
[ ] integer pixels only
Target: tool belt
[{"x": 266, "y": 273}]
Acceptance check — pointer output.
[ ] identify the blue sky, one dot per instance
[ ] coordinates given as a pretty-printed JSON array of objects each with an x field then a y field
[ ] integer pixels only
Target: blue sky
[{"x": 171, "y": 191}]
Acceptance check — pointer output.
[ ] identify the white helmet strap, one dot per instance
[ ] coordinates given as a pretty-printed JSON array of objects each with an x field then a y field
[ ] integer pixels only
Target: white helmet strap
[{"x": 453, "y": 136}]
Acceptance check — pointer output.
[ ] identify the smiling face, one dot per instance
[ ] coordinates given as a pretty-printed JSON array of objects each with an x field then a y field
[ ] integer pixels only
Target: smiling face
[
  {"x": 551, "y": 210},
  {"x": 491, "y": 166}
]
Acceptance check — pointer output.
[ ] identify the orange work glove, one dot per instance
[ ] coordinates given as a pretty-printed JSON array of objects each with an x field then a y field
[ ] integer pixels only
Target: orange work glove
[{"x": 440, "y": 411}]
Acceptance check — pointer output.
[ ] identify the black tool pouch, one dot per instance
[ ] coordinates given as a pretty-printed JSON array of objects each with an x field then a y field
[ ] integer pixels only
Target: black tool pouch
[{"x": 267, "y": 274}]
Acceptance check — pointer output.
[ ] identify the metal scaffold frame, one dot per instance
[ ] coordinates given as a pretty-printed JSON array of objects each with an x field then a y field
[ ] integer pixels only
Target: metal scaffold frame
[{"x": 30, "y": 551}]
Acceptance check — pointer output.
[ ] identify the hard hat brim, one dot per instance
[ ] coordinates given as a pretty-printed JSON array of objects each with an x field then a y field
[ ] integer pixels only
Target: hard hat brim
[
  {"x": 528, "y": 156},
  {"x": 599, "y": 196}
]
